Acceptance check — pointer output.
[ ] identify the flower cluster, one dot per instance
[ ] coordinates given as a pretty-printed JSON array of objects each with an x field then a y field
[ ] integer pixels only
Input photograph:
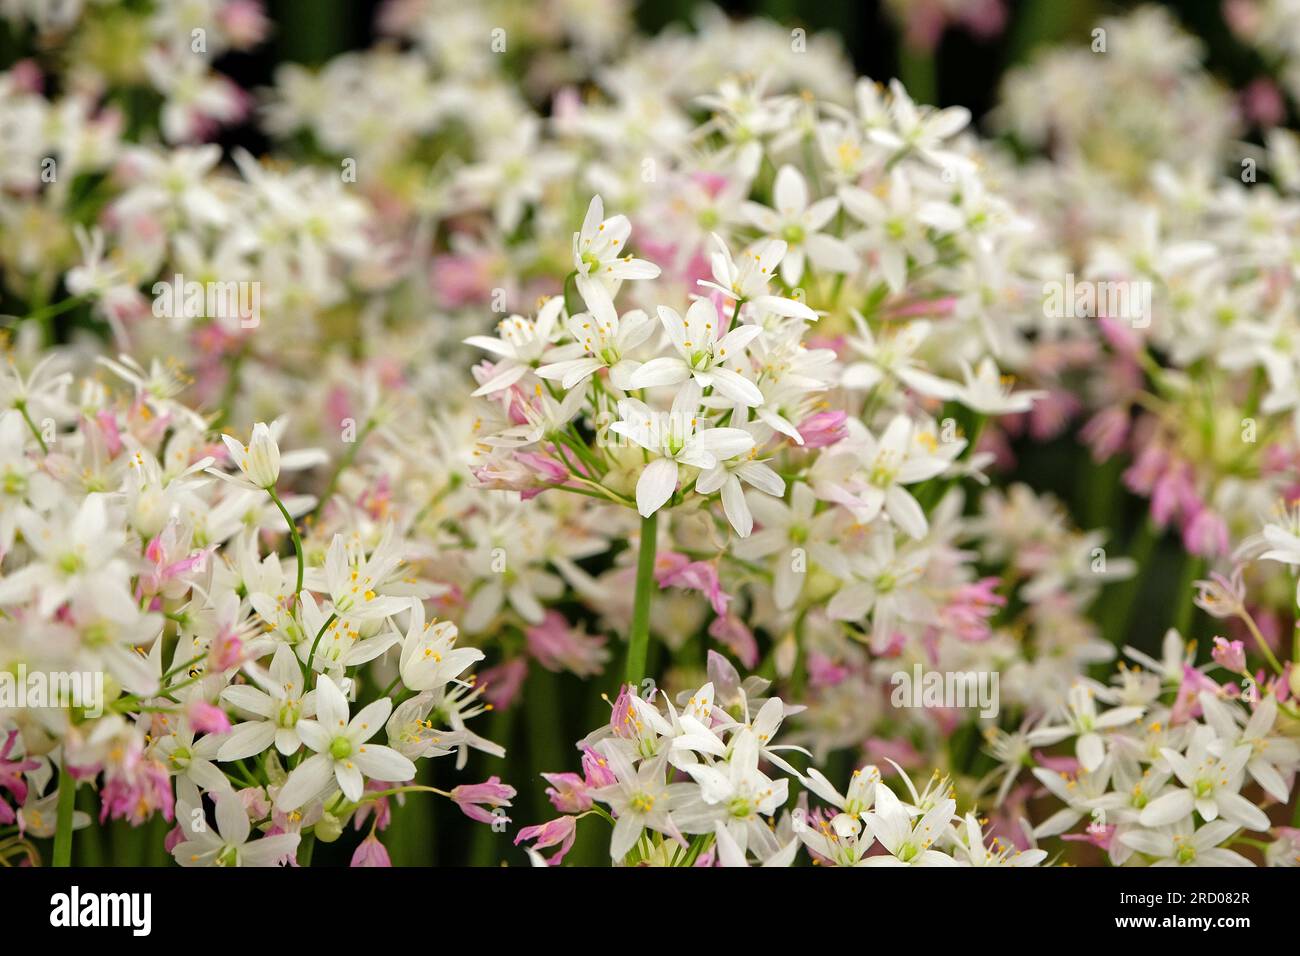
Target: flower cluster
[{"x": 538, "y": 358}]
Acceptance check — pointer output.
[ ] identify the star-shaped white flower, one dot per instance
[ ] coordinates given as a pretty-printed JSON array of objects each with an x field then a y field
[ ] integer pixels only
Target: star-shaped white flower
[
  {"x": 342, "y": 755},
  {"x": 701, "y": 354},
  {"x": 597, "y": 248}
]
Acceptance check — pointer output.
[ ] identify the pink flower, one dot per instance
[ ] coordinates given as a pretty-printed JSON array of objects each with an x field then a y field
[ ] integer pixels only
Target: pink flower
[
  {"x": 1150, "y": 463},
  {"x": 823, "y": 429},
  {"x": 1172, "y": 492},
  {"x": 1097, "y": 834},
  {"x": 134, "y": 789},
  {"x": 621, "y": 716},
  {"x": 501, "y": 684},
  {"x": 226, "y": 650},
  {"x": 567, "y": 792},
  {"x": 244, "y": 23},
  {"x": 381, "y": 807},
  {"x": 1187, "y": 704},
  {"x": 1206, "y": 534},
  {"x": 107, "y": 423},
  {"x": 824, "y": 672},
  {"x": 548, "y": 469},
  {"x": 11, "y": 771},
  {"x": 371, "y": 853},
  {"x": 462, "y": 280},
  {"x": 561, "y": 831},
  {"x": 899, "y": 750},
  {"x": 1106, "y": 432},
  {"x": 969, "y": 610},
  {"x": 557, "y": 646},
  {"x": 1052, "y": 413},
  {"x": 731, "y": 631},
  {"x": 1120, "y": 335},
  {"x": 25, "y": 76},
  {"x": 1229, "y": 654},
  {"x": 596, "y": 769},
  {"x": 674, "y": 570},
  {"x": 1262, "y": 103},
  {"x": 206, "y": 718},
  {"x": 473, "y": 797}
]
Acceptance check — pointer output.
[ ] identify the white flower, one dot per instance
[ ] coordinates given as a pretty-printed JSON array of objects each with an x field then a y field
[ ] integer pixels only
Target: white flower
[
  {"x": 1082, "y": 719},
  {"x": 785, "y": 529},
  {"x": 921, "y": 130},
  {"x": 986, "y": 392},
  {"x": 747, "y": 280},
  {"x": 227, "y": 843},
  {"x": 281, "y": 703},
  {"x": 892, "y": 358},
  {"x": 354, "y": 582},
  {"x": 1273, "y": 759},
  {"x": 1180, "y": 846},
  {"x": 799, "y": 225},
  {"x": 639, "y": 799},
  {"x": 604, "y": 338},
  {"x": 897, "y": 225},
  {"x": 861, "y": 795},
  {"x": 909, "y": 844},
  {"x": 727, "y": 476},
  {"x": 1212, "y": 784},
  {"x": 341, "y": 755},
  {"x": 978, "y": 854},
  {"x": 193, "y": 759},
  {"x": 903, "y": 455},
  {"x": 701, "y": 354},
  {"x": 843, "y": 841},
  {"x": 596, "y": 248},
  {"x": 429, "y": 656},
  {"x": 730, "y": 853},
  {"x": 76, "y": 554},
  {"x": 519, "y": 344},
  {"x": 259, "y": 460},
  {"x": 676, "y": 436},
  {"x": 734, "y": 793}
]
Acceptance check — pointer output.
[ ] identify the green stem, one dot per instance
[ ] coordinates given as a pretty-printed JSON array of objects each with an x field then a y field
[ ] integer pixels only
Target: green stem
[
  {"x": 1193, "y": 567},
  {"x": 306, "y": 673},
  {"x": 1119, "y": 606},
  {"x": 58, "y": 308},
  {"x": 1264, "y": 649},
  {"x": 916, "y": 69},
  {"x": 63, "y": 826},
  {"x": 639, "y": 637},
  {"x": 297, "y": 538},
  {"x": 22, "y": 410}
]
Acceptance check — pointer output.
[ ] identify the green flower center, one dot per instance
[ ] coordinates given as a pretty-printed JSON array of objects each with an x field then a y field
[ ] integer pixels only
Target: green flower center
[
  {"x": 340, "y": 748},
  {"x": 287, "y": 717}
]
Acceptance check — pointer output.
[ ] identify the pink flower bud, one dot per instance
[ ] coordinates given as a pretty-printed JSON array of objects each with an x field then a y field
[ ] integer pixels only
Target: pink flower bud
[
  {"x": 472, "y": 798},
  {"x": 371, "y": 853},
  {"x": 1229, "y": 654}
]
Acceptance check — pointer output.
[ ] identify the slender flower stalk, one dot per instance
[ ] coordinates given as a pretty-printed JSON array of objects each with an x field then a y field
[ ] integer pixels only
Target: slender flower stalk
[
  {"x": 64, "y": 819},
  {"x": 639, "y": 636}
]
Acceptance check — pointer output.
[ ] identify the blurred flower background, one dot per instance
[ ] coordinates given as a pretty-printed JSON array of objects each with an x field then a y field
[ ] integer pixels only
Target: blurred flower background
[{"x": 450, "y": 433}]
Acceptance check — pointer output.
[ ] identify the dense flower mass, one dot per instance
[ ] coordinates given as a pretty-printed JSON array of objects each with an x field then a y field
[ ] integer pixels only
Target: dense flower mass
[{"x": 543, "y": 376}]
